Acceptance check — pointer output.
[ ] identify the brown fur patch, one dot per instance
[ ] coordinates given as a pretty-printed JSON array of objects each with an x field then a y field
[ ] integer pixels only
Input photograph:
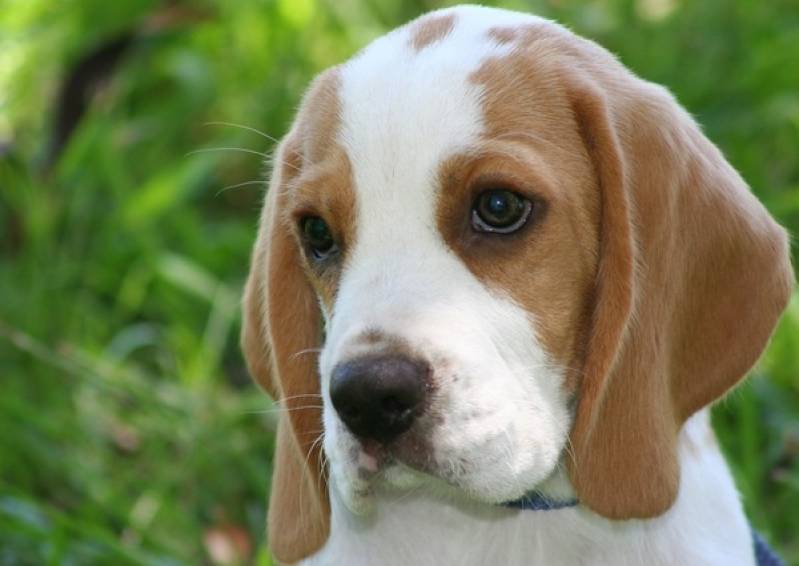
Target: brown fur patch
[
  {"x": 548, "y": 266},
  {"x": 428, "y": 30},
  {"x": 654, "y": 271},
  {"x": 503, "y": 35},
  {"x": 322, "y": 183},
  {"x": 326, "y": 191},
  {"x": 281, "y": 331},
  {"x": 533, "y": 147}
]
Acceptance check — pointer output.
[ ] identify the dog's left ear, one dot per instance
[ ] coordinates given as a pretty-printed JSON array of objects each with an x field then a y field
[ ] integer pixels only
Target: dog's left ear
[
  {"x": 693, "y": 276},
  {"x": 281, "y": 334}
]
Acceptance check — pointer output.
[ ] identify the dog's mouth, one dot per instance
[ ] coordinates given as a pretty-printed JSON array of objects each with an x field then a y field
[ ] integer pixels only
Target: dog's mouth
[
  {"x": 369, "y": 466},
  {"x": 411, "y": 450},
  {"x": 408, "y": 464}
]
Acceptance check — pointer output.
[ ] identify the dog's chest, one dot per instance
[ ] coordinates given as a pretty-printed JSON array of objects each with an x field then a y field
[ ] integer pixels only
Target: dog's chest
[
  {"x": 421, "y": 530},
  {"x": 427, "y": 533}
]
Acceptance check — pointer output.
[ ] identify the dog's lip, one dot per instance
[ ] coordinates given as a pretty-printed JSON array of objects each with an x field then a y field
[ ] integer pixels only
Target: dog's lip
[
  {"x": 371, "y": 456},
  {"x": 411, "y": 452}
]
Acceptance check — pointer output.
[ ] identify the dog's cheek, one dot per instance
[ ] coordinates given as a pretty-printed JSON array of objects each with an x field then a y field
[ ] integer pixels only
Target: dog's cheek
[
  {"x": 500, "y": 437},
  {"x": 467, "y": 419}
]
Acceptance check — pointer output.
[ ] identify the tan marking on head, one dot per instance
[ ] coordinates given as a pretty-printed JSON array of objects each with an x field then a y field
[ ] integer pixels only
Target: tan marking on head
[
  {"x": 503, "y": 34},
  {"x": 532, "y": 147},
  {"x": 325, "y": 190},
  {"x": 430, "y": 29},
  {"x": 320, "y": 181},
  {"x": 319, "y": 118}
]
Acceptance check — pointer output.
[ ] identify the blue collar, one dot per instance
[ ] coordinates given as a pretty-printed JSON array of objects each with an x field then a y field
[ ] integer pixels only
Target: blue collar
[{"x": 535, "y": 501}]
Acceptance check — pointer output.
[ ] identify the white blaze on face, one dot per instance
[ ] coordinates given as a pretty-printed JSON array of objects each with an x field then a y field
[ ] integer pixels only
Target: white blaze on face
[{"x": 503, "y": 416}]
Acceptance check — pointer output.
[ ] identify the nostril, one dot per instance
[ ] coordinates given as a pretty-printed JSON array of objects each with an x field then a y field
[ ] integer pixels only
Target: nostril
[{"x": 392, "y": 405}]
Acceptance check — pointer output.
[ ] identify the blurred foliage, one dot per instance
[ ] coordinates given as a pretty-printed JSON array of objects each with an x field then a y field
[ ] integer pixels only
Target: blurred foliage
[{"x": 129, "y": 431}]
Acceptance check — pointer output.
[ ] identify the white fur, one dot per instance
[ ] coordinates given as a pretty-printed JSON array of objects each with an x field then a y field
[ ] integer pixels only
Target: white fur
[{"x": 504, "y": 417}]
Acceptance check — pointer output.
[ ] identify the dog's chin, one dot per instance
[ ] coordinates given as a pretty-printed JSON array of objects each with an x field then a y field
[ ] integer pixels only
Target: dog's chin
[
  {"x": 394, "y": 481},
  {"x": 355, "y": 491},
  {"x": 359, "y": 484}
]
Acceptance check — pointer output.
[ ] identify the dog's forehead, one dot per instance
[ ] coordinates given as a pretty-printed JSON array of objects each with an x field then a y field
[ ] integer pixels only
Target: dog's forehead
[{"x": 408, "y": 101}]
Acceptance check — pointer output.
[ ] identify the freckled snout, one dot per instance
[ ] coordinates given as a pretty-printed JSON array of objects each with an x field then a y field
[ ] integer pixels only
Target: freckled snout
[{"x": 379, "y": 397}]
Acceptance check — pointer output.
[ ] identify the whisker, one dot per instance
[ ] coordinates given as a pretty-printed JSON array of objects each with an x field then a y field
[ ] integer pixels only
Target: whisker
[
  {"x": 239, "y": 149},
  {"x": 283, "y": 410},
  {"x": 571, "y": 452},
  {"x": 270, "y": 162},
  {"x": 316, "y": 442},
  {"x": 243, "y": 127},
  {"x": 237, "y": 185},
  {"x": 302, "y": 493},
  {"x": 287, "y": 409},
  {"x": 306, "y": 351},
  {"x": 319, "y": 439},
  {"x": 299, "y": 395},
  {"x": 325, "y": 469},
  {"x": 310, "y": 432}
]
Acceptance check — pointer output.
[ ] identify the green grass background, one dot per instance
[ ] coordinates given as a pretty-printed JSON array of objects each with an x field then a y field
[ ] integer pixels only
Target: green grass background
[{"x": 129, "y": 430}]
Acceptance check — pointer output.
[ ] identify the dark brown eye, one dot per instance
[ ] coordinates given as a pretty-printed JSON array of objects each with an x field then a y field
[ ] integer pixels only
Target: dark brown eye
[
  {"x": 500, "y": 211},
  {"x": 318, "y": 236}
]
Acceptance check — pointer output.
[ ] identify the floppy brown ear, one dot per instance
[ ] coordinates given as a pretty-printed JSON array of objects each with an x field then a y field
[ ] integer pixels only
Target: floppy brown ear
[
  {"x": 281, "y": 324},
  {"x": 693, "y": 276}
]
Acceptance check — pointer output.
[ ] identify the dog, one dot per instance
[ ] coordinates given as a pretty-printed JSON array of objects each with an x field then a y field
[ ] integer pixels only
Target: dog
[{"x": 497, "y": 282}]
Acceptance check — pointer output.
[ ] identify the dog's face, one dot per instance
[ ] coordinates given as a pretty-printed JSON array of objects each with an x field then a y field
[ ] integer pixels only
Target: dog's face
[
  {"x": 499, "y": 241},
  {"x": 444, "y": 245}
]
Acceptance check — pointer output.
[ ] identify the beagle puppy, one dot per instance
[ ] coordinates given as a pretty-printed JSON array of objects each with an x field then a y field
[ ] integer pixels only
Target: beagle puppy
[{"x": 497, "y": 281}]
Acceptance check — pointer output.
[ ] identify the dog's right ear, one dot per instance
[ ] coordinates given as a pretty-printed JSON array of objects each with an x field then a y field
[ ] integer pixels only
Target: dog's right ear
[
  {"x": 280, "y": 337},
  {"x": 693, "y": 276}
]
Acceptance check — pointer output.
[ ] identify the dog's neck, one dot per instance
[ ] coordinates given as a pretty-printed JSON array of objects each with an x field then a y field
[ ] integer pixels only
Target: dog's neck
[{"x": 706, "y": 525}]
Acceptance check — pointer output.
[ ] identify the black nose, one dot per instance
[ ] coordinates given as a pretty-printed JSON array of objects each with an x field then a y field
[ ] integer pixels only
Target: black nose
[{"x": 379, "y": 397}]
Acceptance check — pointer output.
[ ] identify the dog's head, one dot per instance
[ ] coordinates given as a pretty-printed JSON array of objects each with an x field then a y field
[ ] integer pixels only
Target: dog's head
[{"x": 487, "y": 247}]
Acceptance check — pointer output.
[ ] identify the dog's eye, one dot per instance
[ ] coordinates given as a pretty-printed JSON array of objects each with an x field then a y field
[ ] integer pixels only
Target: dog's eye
[
  {"x": 500, "y": 211},
  {"x": 318, "y": 236}
]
